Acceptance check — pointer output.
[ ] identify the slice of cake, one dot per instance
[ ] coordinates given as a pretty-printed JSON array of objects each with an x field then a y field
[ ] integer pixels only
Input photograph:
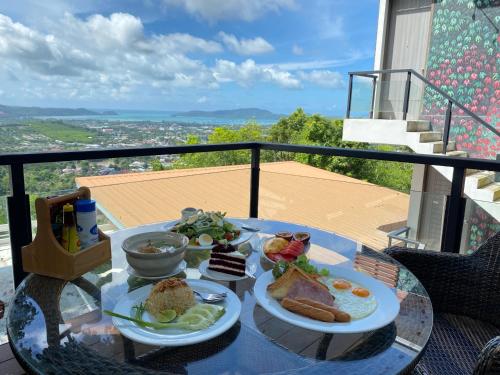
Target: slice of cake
[{"x": 232, "y": 263}]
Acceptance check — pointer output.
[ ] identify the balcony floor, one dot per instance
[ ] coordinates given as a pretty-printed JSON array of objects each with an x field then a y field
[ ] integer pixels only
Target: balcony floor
[{"x": 8, "y": 364}]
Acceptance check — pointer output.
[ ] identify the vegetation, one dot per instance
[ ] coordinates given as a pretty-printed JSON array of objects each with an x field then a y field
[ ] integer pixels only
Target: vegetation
[
  {"x": 300, "y": 128},
  {"x": 58, "y": 130}
]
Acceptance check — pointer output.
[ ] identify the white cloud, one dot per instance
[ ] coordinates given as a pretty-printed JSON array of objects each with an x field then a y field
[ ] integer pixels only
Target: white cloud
[
  {"x": 246, "y": 10},
  {"x": 248, "y": 73},
  {"x": 246, "y": 46},
  {"x": 331, "y": 27},
  {"x": 99, "y": 57},
  {"x": 324, "y": 64},
  {"x": 325, "y": 78},
  {"x": 202, "y": 99},
  {"x": 297, "y": 50}
]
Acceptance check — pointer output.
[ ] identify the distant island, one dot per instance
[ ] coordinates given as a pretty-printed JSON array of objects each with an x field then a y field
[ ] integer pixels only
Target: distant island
[
  {"x": 255, "y": 113},
  {"x": 14, "y": 111}
]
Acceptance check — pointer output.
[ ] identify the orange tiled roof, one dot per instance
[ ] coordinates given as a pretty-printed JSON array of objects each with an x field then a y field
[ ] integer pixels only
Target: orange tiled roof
[{"x": 289, "y": 191}]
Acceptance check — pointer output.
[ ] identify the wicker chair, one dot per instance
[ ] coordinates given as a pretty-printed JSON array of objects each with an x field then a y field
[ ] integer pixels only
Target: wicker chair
[{"x": 465, "y": 294}]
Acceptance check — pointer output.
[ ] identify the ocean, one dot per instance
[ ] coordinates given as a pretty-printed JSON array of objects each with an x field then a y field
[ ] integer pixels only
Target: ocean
[{"x": 164, "y": 116}]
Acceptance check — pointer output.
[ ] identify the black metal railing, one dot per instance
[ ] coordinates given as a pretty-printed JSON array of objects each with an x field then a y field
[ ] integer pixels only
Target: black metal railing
[
  {"x": 373, "y": 74},
  {"x": 19, "y": 208}
]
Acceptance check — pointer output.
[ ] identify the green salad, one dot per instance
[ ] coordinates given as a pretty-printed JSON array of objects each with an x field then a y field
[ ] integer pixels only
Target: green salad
[
  {"x": 303, "y": 263},
  {"x": 211, "y": 223}
]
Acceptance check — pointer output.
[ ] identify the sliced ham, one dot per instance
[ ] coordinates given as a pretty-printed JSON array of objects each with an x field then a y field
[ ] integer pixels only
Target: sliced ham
[{"x": 303, "y": 288}]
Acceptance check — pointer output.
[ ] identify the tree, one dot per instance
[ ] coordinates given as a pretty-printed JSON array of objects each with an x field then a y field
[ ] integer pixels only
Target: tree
[
  {"x": 247, "y": 133},
  {"x": 156, "y": 165}
]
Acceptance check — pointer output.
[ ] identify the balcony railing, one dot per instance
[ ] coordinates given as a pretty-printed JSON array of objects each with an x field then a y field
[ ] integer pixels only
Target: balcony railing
[
  {"x": 448, "y": 124},
  {"x": 19, "y": 208}
]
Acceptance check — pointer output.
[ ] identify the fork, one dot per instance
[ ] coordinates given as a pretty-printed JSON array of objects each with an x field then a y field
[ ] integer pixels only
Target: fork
[{"x": 210, "y": 297}]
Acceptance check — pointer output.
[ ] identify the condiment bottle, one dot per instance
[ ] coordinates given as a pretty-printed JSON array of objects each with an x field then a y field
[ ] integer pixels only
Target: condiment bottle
[
  {"x": 86, "y": 222},
  {"x": 69, "y": 240}
]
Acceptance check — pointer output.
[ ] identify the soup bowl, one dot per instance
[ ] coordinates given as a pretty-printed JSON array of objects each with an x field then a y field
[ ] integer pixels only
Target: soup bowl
[{"x": 171, "y": 249}]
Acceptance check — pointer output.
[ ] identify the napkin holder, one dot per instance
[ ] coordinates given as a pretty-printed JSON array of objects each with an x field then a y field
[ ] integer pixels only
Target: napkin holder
[{"x": 45, "y": 255}]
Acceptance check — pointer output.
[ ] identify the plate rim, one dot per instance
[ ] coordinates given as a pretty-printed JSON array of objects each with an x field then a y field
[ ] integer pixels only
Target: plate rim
[
  {"x": 180, "y": 268},
  {"x": 174, "y": 342},
  {"x": 317, "y": 325}
]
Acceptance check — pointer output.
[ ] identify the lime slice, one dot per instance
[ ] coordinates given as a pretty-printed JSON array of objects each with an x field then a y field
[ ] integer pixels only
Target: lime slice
[{"x": 166, "y": 316}]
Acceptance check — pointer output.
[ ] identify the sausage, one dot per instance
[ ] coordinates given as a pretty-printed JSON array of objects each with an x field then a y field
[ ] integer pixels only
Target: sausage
[
  {"x": 340, "y": 316},
  {"x": 307, "y": 310}
]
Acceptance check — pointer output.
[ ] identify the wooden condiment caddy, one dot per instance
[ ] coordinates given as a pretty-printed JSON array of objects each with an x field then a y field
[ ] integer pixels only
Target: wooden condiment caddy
[{"x": 45, "y": 255}]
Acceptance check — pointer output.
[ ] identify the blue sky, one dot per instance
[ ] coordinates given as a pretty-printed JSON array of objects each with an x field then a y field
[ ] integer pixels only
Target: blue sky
[{"x": 184, "y": 54}]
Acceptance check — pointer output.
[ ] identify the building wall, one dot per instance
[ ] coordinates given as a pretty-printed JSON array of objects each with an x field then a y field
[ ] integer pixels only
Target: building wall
[{"x": 463, "y": 61}]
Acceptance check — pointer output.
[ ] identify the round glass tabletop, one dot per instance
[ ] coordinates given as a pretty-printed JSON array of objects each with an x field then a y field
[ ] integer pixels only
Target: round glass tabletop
[{"x": 59, "y": 327}]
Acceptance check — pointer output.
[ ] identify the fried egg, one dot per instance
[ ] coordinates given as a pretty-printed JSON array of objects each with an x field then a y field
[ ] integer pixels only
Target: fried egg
[{"x": 355, "y": 300}]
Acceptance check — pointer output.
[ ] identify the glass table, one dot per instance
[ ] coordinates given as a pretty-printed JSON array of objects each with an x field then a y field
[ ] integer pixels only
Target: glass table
[{"x": 58, "y": 327}]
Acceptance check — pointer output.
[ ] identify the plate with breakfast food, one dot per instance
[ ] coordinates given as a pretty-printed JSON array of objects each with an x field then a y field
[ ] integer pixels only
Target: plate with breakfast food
[
  {"x": 334, "y": 299},
  {"x": 169, "y": 313},
  {"x": 207, "y": 229},
  {"x": 285, "y": 246}
]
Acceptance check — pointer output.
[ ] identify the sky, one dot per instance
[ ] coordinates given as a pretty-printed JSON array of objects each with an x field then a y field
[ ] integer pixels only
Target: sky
[{"x": 184, "y": 54}]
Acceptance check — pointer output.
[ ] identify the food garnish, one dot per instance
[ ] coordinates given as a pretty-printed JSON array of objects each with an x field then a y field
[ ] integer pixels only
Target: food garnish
[
  {"x": 211, "y": 223},
  {"x": 301, "y": 262},
  {"x": 196, "y": 318}
]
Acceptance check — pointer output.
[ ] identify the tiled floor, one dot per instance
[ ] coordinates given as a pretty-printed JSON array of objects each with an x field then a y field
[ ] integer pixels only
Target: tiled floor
[{"x": 8, "y": 364}]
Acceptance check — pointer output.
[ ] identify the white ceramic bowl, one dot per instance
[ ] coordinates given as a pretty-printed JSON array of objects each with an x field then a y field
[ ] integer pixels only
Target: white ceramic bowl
[{"x": 155, "y": 264}]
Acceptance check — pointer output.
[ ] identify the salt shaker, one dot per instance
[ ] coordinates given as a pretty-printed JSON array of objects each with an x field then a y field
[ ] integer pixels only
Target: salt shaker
[{"x": 86, "y": 222}]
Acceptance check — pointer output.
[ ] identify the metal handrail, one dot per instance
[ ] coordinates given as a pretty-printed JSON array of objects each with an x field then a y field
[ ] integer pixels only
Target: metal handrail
[
  {"x": 372, "y": 73},
  {"x": 19, "y": 207},
  {"x": 397, "y": 235}
]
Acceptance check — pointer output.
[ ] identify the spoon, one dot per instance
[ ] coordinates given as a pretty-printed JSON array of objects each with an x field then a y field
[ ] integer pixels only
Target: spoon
[{"x": 210, "y": 297}]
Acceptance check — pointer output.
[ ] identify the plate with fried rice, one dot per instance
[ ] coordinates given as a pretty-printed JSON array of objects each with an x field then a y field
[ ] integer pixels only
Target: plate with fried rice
[{"x": 175, "y": 294}]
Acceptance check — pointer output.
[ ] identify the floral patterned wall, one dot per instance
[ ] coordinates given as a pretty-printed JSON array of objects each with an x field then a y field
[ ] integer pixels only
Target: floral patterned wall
[{"x": 464, "y": 61}]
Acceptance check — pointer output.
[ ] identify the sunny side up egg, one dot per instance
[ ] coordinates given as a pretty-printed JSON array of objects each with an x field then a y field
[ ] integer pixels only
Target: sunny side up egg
[{"x": 357, "y": 307}]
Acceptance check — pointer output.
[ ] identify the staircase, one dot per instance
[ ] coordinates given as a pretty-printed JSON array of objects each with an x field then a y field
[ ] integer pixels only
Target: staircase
[{"x": 479, "y": 185}]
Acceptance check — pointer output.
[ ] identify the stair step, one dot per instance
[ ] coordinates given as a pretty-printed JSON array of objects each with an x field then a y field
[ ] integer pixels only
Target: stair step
[
  {"x": 417, "y": 126},
  {"x": 482, "y": 178},
  {"x": 429, "y": 136},
  {"x": 491, "y": 191},
  {"x": 460, "y": 154},
  {"x": 437, "y": 147}
]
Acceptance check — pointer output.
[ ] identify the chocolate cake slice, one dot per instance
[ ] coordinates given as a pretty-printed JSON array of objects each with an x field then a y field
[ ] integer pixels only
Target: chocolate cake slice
[{"x": 233, "y": 263}]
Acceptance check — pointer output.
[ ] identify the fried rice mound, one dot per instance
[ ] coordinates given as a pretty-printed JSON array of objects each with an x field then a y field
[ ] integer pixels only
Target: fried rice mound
[{"x": 168, "y": 294}]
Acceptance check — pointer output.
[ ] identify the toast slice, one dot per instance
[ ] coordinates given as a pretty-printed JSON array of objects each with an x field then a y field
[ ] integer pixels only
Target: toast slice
[{"x": 280, "y": 288}]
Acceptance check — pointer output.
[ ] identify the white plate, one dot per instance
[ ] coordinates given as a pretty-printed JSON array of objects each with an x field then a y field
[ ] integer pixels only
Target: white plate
[
  {"x": 387, "y": 304},
  {"x": 220, "y": 276},
  {"x": 175, "y": 337},
  {"x": 181, "y": 267},
  {"x": 244, "y": 237}
]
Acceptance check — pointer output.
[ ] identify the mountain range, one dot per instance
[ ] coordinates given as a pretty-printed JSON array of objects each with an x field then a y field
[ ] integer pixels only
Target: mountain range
[
  {"x": 14, "y": 111},
  {"x": 239, "y": 113}
]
